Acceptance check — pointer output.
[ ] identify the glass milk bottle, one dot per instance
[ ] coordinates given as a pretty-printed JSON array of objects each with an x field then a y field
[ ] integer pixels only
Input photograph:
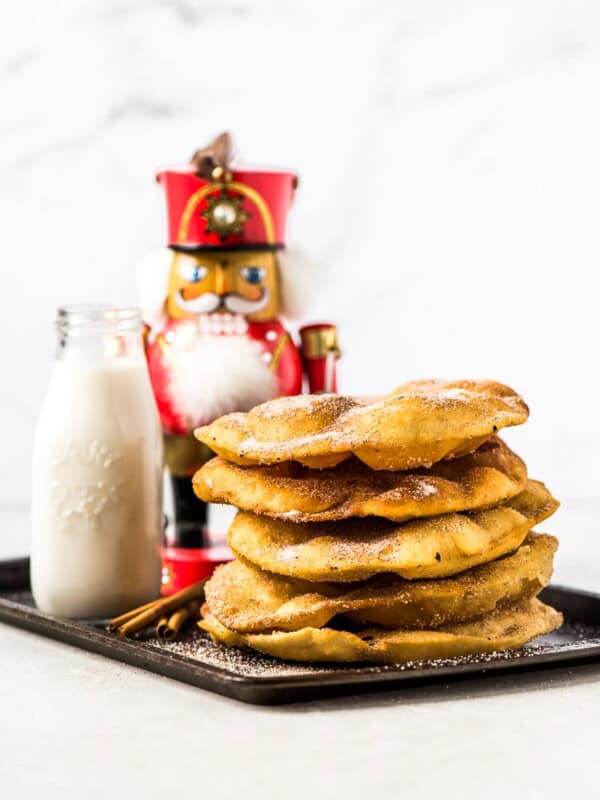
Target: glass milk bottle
[{"x": 97, "y": 470}]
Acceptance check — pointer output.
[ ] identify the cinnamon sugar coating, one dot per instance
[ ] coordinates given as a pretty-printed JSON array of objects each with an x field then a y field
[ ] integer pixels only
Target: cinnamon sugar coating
[
  {"x": 356, "y": 549},
  {"x": 249, "y": 600},
  {"x": 416, "y": 425},
  {"x": 405, "y": 512},
  {"x": 490, "y": 475},
  {"x": 502, "y": 629}
]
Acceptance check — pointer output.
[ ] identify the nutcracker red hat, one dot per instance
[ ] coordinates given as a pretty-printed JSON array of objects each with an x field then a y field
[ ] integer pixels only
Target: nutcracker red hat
[{"x": 210, "y": 205}]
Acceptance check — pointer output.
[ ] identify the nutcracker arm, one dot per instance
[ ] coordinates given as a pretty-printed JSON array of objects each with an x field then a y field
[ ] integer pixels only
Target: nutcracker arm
[{"x": 320, "y": 353}]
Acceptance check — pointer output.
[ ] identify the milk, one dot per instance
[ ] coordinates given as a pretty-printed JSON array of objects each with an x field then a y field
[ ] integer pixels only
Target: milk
[{"x": 97, "y": 489}]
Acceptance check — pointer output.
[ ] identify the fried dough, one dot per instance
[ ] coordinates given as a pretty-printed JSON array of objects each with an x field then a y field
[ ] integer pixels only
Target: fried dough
[
  {"x": 503, "y": 629},
  {"x": 249, "y": 600},
  {"x": 490, "y": 475},
  {"x": 417, "y": 425},
  {"x": 356, "y": 549}
]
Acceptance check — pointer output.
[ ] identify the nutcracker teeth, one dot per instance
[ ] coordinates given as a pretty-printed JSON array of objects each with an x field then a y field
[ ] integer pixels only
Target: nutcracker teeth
[
  {"x": 240, "y": 324},
  {"x": 217, "y": 324}
]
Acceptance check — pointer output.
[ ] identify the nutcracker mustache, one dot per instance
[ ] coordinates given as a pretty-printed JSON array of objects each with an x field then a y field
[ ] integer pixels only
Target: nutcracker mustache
[
  {"x": 240, "y": 305},
  {"x": 231, "y": 301}
]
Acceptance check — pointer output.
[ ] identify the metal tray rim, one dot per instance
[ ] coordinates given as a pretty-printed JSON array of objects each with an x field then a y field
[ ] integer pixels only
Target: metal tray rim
[{"x": 275, "y": 689}]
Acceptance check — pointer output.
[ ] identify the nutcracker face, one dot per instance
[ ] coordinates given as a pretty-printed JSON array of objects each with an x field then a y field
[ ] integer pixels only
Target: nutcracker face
[{"x": 224, "y": 281}]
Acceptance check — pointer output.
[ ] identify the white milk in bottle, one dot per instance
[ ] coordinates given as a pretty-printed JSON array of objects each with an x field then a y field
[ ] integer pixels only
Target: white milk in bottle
[{"x": 97, "y": 470}]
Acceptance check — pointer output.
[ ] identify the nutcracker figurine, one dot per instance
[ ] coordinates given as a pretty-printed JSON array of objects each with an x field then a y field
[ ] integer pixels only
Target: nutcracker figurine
[{"x": 216, "y": 342}]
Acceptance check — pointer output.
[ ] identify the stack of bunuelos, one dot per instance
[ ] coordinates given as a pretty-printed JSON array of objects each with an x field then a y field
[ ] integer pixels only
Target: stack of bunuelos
[{"x": 384, "y": 529}]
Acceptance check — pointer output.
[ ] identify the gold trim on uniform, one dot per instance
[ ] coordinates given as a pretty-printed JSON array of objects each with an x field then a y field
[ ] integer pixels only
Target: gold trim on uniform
[
  {"x": 165, "y": 349},
  {"x": 195, "y": 200},
  {"x": 320, "y": 342},
  {"x": 278, "y": 350}
]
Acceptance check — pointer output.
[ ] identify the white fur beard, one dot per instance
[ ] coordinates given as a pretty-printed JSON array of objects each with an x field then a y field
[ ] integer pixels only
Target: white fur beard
[{"x": 217, "y": 375}]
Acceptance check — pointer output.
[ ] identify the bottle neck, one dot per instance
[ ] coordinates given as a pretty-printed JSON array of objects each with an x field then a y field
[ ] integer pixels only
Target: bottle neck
[
  {"x": 99, "y": 333},
  {"x": 96, "y": 347}
]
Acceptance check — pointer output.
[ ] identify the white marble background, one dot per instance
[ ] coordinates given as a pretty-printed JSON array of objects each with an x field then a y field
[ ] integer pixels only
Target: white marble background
[{"x": 449, "y": 155}]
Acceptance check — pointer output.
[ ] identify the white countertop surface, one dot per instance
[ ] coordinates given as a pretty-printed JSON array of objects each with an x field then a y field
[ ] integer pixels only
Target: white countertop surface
[{"x": 73, "y": 724}]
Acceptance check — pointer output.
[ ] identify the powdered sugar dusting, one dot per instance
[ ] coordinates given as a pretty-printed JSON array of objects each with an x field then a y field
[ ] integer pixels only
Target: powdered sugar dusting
[
  {"x": 419, "y": 424},
  {"x": 424, "y": 488},
  {"x": 292, "y": 492},
  {"x": 288, "y": 553},
  {"x": 243, "y": 662},
  {"x": 197, "y": 647}
]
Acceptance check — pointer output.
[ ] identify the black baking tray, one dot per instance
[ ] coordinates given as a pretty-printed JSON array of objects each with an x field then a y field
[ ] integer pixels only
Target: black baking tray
[{"x": 254, "y": 678}]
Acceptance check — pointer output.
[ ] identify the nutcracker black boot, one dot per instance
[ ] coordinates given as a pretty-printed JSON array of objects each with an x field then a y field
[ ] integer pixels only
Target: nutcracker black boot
[{"x": 190, "y": 515}]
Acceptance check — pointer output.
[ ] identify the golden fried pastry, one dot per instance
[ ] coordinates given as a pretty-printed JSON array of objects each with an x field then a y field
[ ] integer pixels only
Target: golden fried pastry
[
  {"x": 249, "y": 600},
  {"x": 356, "y": 549},
  {"x": 490, "y": 475},
  {"x": 503, "y": 629},
  {"x": 417, "y": 425}
]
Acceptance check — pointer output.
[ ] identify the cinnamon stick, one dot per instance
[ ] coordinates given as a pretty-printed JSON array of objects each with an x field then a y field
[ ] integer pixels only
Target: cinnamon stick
[
  {"x": 160, "y": 608},
  {"x": 195, "y": 608},
  {"x": 176, "y": 622},
  {"x": 169, "y": 628},
  {"x": 123, "y": 618}
]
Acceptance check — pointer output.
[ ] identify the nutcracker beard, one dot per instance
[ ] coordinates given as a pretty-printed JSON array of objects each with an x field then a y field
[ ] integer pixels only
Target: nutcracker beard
[{"x": 219, "y": 374}]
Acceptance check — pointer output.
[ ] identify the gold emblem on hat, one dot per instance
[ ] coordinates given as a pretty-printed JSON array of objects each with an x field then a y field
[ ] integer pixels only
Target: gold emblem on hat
[{"x": 224, "y": 214}]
